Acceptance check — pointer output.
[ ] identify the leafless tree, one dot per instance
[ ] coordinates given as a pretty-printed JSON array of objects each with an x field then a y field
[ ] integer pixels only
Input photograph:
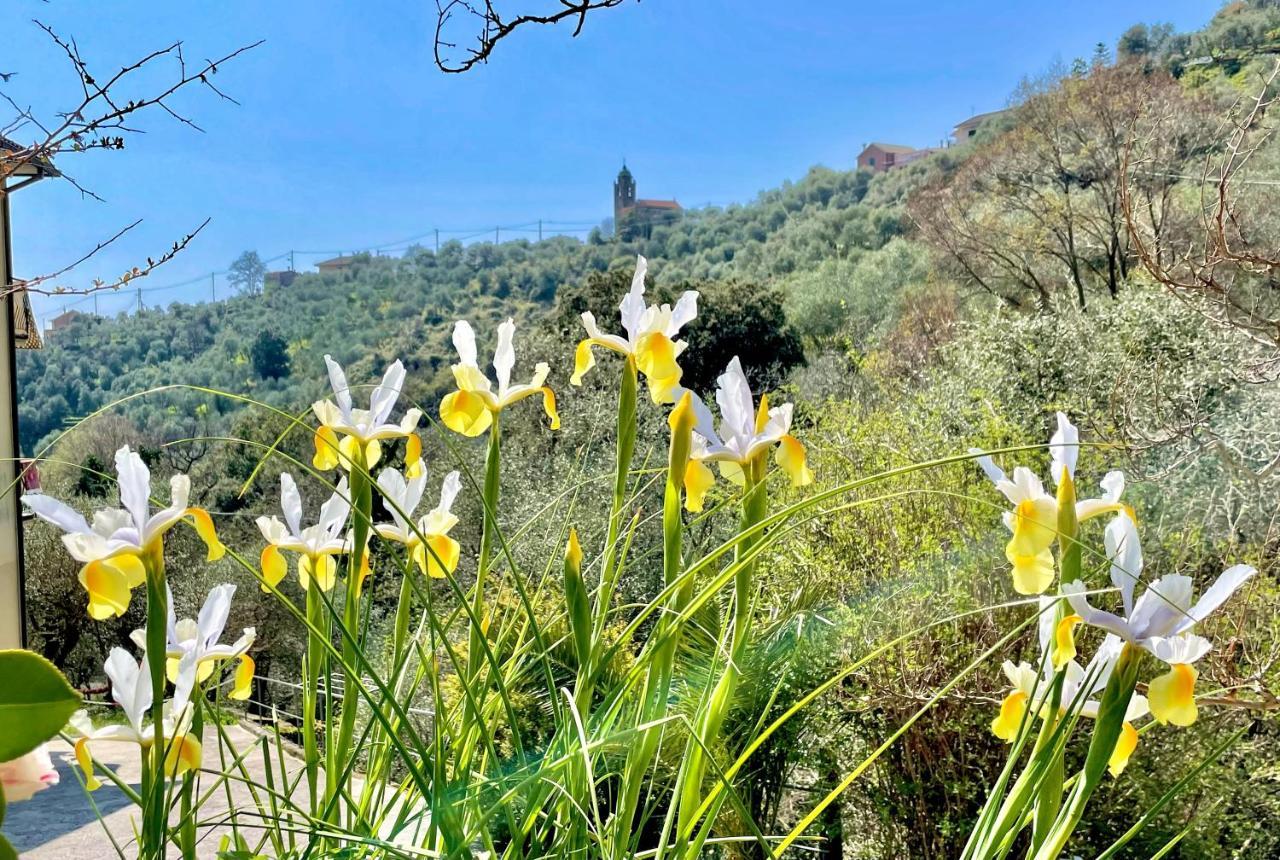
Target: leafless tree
[
  {"x": 485, "y": 25},
  {"x": 101, "y": 117},
  {"x": 1228, "y": 267}
]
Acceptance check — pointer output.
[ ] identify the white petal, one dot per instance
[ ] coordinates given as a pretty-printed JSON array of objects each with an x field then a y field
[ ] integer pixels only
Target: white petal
[
  {"x": 1112, "y": 486},
  {"x": 737, "y": 409},
  {"x": 464, "y": 341},
  {"x": 291, "y": 503},
  {"x": 213, "y": 615},
  {"x": 683, "y": 313},
  {"x": 1125, "y": 552},
  {"x": 59, "y": 514},
  {"x": 338, "y": 382},
  {"x": 135, "y": 485},
  {"x": 333, "y": 513},
  {"x": 1186, "y": 648},
  {"x": 1163, "y": 607},
  {"x": 130, "y": 685},
  {"x": 384, "y": 397},
  {"x": 988, "y": 466},
  {"x": 1064, "y": 448},
  {"x": 504, "y": 356},
  {"x": 1075, "y": 594},
  {"x": 1223, "y": 587},
  {"x": 449, "y": 491},
  {"x": 632, "y": 308}
]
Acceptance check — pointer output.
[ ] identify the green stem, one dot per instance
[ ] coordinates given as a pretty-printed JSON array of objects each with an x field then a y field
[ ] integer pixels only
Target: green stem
[
  {"x": 657, "y": 686},
  {"x": 1106, "y": 732},
  {"x": 625, "y": 451},
  {"x": 754, "y": 509},
  {"x": 155, "y": 815},
  {"x": 362, "y": 498},
  {"x": 311, "y": 671}
]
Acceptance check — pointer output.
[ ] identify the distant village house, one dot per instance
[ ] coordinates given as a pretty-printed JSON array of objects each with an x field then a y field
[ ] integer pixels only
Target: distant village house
[
  {"x": 634, "y": 218},
  {"x": 337, "y": 264},
  {"x": 283, "y": 278},
  {"x": 969, "y": 128}
]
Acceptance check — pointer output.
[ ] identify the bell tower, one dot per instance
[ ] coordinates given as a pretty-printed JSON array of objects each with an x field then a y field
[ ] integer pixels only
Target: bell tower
[{"x": 624, "y": 193}]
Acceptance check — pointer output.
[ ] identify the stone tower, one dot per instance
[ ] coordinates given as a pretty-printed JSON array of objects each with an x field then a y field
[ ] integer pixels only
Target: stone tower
[{"x": 624, "y": 193}]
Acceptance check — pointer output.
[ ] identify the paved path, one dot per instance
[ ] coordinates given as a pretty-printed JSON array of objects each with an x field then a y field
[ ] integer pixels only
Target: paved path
[{"x": 61, "y": 823}]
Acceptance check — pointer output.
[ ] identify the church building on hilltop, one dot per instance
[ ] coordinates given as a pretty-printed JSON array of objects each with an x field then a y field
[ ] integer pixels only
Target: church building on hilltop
[{"x": 634, "y": 218}]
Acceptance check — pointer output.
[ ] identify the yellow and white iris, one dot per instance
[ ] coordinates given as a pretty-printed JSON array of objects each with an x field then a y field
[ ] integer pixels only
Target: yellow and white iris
[
  {"x": 744, "y": 435},
  {"x": 1160, "y": 620},
  {"x": 114, "y": 547},
  {"x": 650, "y": 340},
  {"x": 316, "y": 545},
  {"x": 427, "y": 540},
  {"x": 1081, "y": 687},
  {"x": 470, "y": 409},
  {"x": 131, "y": 689},
  {"x": 1034, "y": 518},
  {"x": 345, "y": 433},
  {"x": 199, "y": 639}
]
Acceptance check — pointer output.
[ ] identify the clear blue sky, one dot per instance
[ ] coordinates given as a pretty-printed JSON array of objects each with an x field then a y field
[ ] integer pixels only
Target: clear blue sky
[{"x": 347, "y": 136}]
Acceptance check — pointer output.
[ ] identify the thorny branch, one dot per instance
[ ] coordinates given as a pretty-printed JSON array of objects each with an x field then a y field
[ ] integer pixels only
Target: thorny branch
[
  {"x": 99, "y": 118},
  {"x": 493, "y": 27}
]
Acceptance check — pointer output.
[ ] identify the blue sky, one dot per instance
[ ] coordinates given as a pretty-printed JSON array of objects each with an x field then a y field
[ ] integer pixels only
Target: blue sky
[{"x": 347, "y": 137}]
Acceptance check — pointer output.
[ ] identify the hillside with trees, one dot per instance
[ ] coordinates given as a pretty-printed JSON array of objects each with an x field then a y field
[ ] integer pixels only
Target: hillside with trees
[{"x": 1065, "y": 259}]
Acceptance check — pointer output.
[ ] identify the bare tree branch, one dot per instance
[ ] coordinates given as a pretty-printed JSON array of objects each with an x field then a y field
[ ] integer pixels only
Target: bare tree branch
[
  {"x": 99, "y": 118},
  {"x": 492, "y": 27}
]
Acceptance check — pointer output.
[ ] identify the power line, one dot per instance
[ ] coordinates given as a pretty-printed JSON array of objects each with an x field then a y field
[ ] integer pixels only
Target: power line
[{"x": 457, "y": 234}]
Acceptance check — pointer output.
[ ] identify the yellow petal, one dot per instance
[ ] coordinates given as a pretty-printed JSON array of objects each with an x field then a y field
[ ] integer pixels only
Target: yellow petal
[
  {"x": 1125, "y": 745},
  {"x": 583, "y": 361},
  {"x": 469, "y": 378},
  {"x": 85, "y": 760},
  {"x": 182, "y": 754},
  {"x": 1064, "y": 638},
  {"x": 1032, "y": 574},
  {"x": 682, "y": 418},
  {"x": 573, "y": 551},
  {"x": 243, "y": 684},
  {"x": 274, "y": 566},
  {"x": 444, "y": 562},
  {"x": 732, "y": 472},
  {"x": 108, "y": 589},
  {"x": 171, "y": 669},
  {"x": 662, "y": 389},
  {"x": 413, "y": 456},
  {"x": 323, "y": 568},
  {"x": 204, "y": 527},
  {"x": 326, "y": 456},
  {"x": 365, "y": 570},
  {"x": 354, "y": 456},
  {"x": 762, "y": 413},
  {"x": 698, "y": 479},
  {"x": 656, "y": 359},
  {"x": 1012, "y": 709},
  {"x": 549, "y": 406},
  {"x": 1035, "y": 525},
  {"x": 1172, "y": 696},
  {"x": 131, "y": 566},
  {"x": 791, "y": 457},
  {"x": 465, "y": 413}
]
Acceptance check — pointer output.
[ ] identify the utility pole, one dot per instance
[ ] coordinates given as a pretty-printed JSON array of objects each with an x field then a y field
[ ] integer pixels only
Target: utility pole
[
  {"x": 539, "y": 229},
  {"x": 495, "y": 235},
  {"x": 291, "y": 262},
  {"x": 95, "y": 304},
  {"x": 213, "y": 287},
  {"x": 139, "y": 299},
  {"x": 437, "y": 240}
]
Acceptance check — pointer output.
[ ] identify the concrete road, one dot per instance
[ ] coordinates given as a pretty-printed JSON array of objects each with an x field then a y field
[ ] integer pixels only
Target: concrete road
[{"x": 65, "y": 823}]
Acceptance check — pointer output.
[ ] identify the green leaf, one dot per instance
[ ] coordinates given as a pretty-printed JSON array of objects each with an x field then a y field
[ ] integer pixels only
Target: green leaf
[
  {"x": 35, "y": 703},
  {"x": 6, "y": 850}
]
